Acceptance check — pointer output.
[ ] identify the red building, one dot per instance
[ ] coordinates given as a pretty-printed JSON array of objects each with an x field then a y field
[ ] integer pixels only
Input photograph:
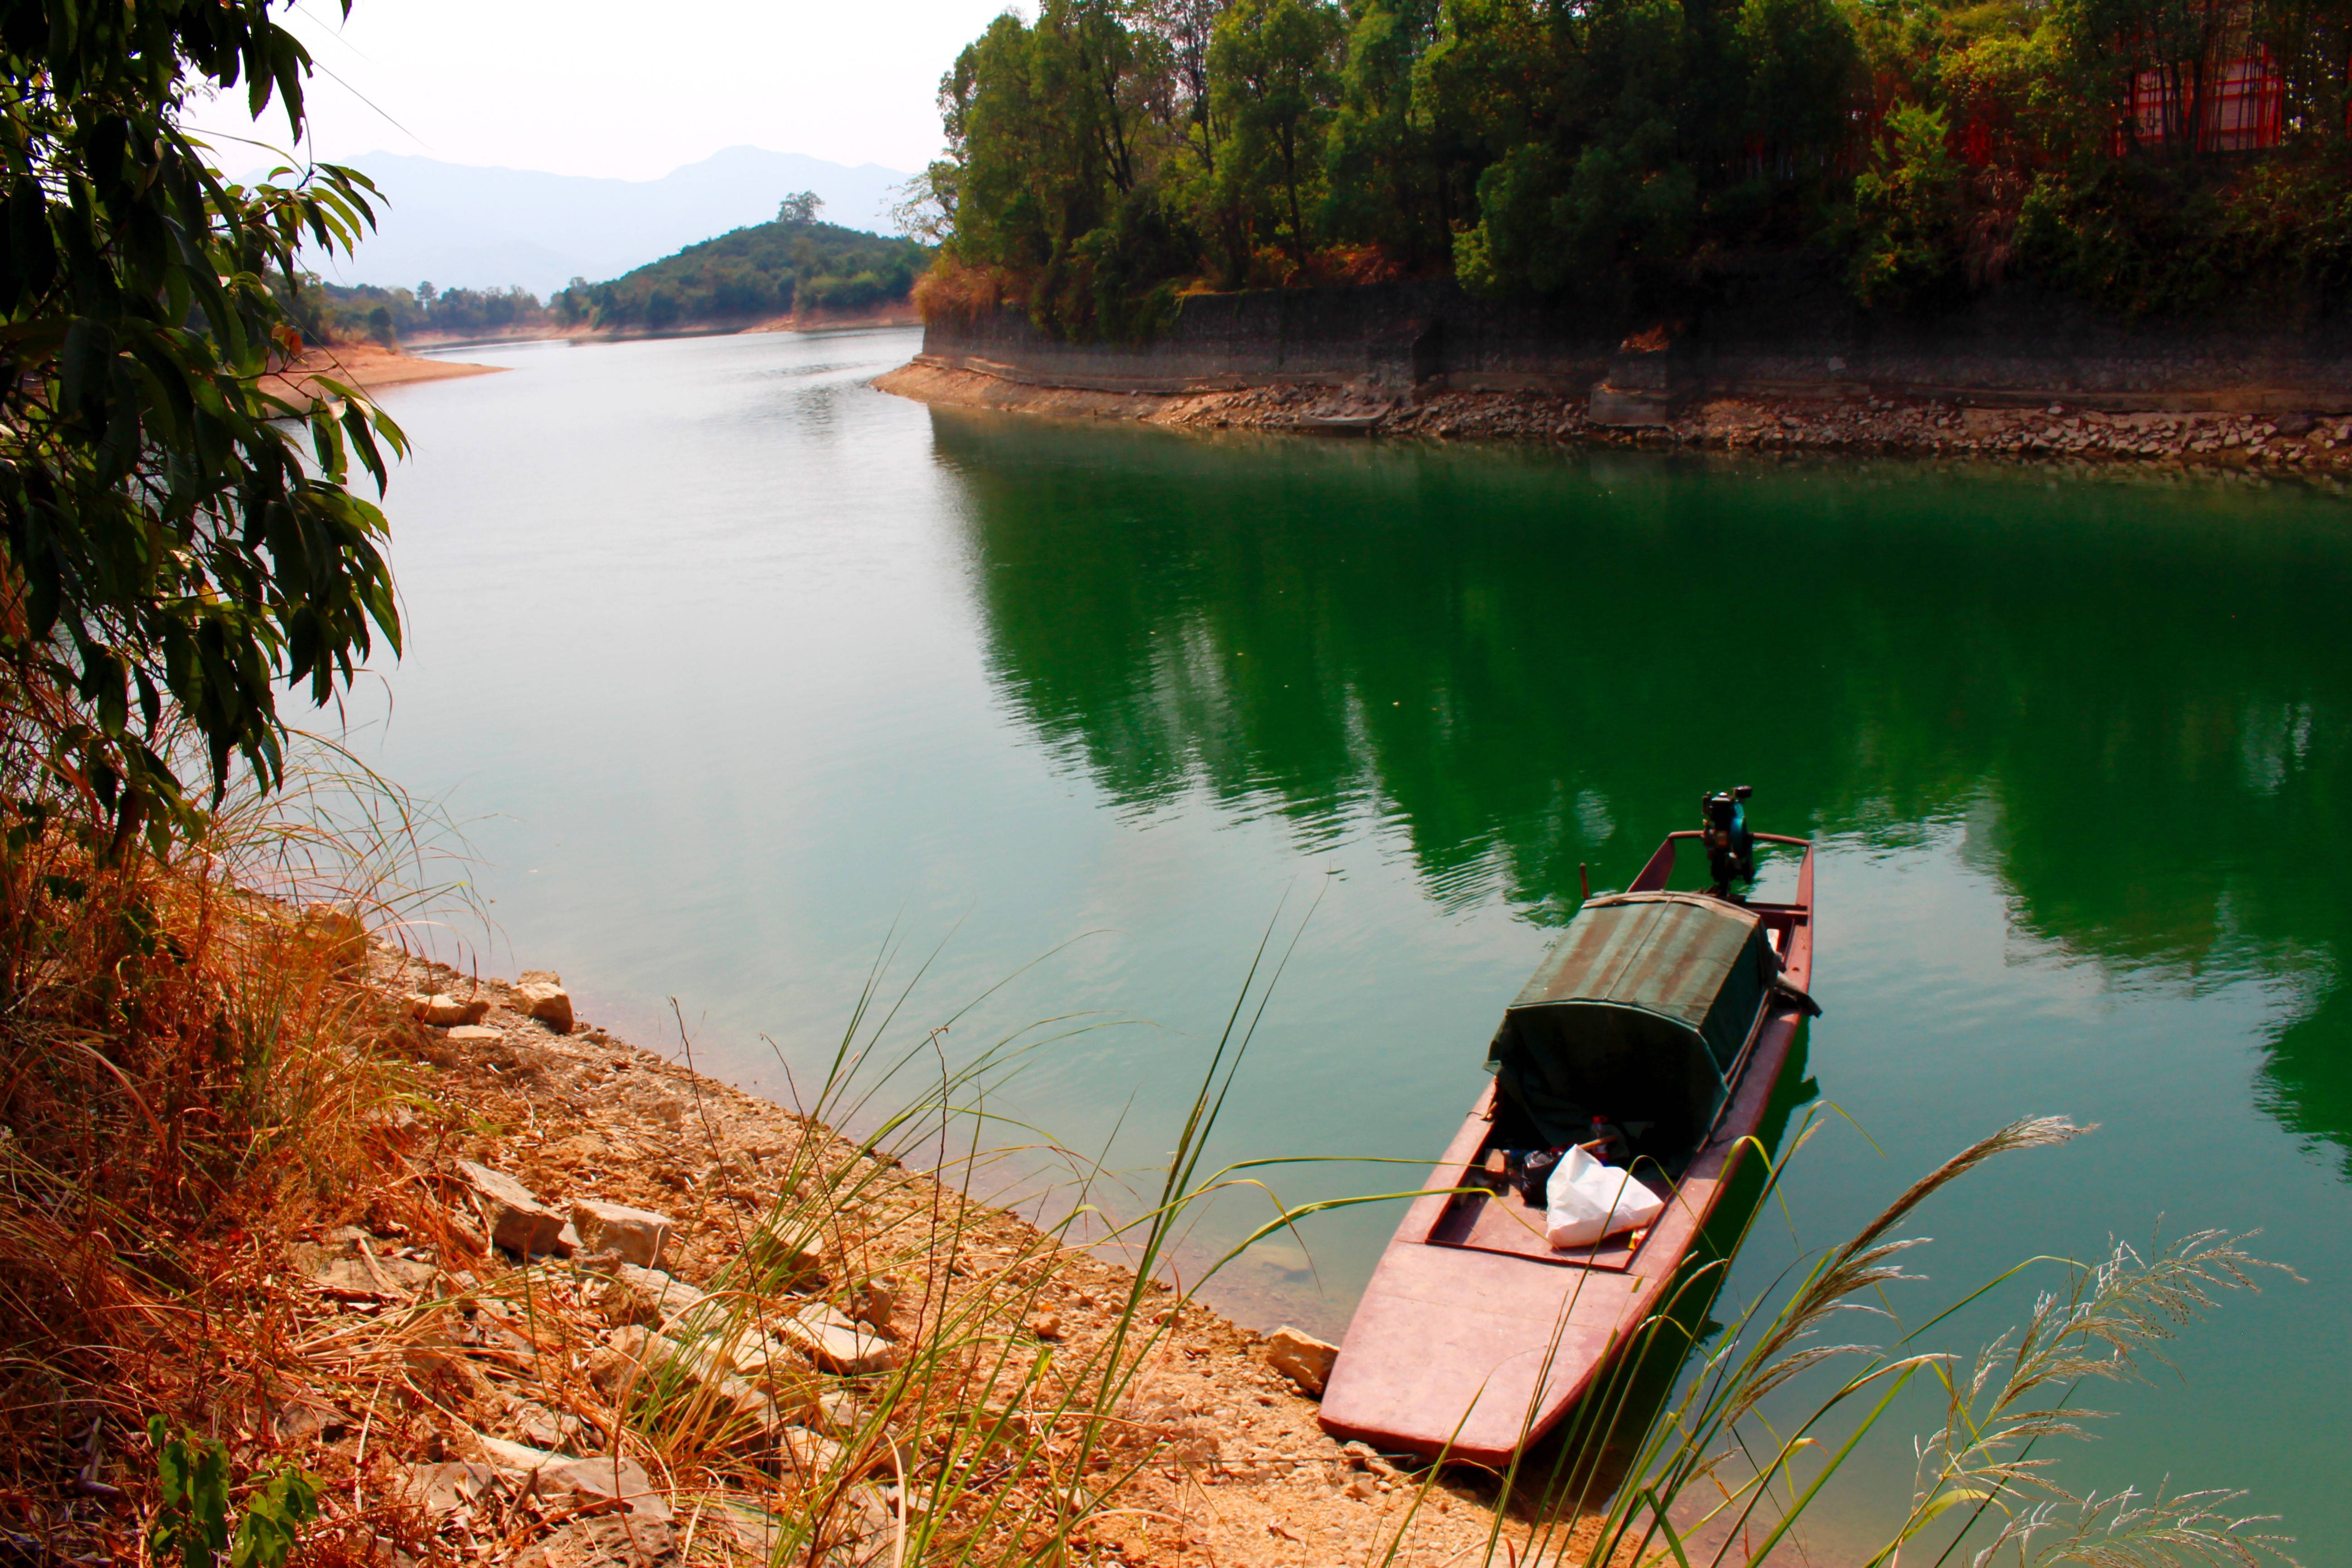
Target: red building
[{"x": 2218, "y": 105}]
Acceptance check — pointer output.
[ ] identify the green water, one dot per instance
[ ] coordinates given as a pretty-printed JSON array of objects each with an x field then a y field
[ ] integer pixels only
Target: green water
[{"x": 736, "y": 665}]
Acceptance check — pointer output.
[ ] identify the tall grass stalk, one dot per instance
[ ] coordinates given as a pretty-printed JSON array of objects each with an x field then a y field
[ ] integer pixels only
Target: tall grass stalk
[
  {"x": 1641, "y": 1480},
  {"x": 996, "y": 1443}
]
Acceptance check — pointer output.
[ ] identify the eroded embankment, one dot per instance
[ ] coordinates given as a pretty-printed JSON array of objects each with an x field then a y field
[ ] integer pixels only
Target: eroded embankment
[{"x": 1860, "y": 422}]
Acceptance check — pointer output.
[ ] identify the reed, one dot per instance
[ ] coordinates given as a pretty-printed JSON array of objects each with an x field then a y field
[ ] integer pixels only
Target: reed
[
  {"x": 999, "y": 1441},
  {"x": 1643, "y": 1478}
]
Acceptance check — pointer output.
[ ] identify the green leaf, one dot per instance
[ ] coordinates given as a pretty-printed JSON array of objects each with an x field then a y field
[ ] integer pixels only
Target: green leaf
[
  {"x": 178, "y": 559},
  {"x": 1951, "y": 1499}
]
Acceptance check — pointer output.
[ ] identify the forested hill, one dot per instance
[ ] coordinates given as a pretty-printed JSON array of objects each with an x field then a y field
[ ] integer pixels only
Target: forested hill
[
  {"x": 752, "y": 274},
  {"x": 794, "y": 263},
  {"x": 2153, "y": 157}
]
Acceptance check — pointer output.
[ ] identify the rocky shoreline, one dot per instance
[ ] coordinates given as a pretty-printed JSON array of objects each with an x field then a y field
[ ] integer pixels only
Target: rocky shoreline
[
  {"x": 1861, "y": 423},
  {"x": 575, "y": 1214}
]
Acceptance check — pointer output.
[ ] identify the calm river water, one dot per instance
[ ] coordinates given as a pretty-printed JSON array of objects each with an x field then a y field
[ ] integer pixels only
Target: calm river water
[{"x": 734, "y": 665}]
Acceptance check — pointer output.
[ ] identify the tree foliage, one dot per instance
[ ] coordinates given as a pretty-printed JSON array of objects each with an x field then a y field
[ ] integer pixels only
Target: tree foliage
[
  {"x": 764, "y": 269},
  {"x": 1276, "y": 66},
  {"x": 180, "y": 541},
  {"x": 336, "y": 313},
  {"x": 1113, "y": 153}
]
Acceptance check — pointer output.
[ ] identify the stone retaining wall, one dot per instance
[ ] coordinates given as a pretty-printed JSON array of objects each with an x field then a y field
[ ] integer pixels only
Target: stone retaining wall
[{"x": 1774, "y": 335}]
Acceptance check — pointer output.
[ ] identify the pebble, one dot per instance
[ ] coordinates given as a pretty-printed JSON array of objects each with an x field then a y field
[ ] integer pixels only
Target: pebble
[
  {"x": 1301, "y": 1357},
  {"x": 540, "y": 995},
  {"x": 518, "y": 1221},
  {"x": 634, "y": 1235},
  {"x": 442, "y": 1010}
]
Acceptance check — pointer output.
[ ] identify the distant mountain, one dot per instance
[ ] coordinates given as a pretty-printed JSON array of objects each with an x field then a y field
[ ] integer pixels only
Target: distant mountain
[{"x": 460, "y": 226}]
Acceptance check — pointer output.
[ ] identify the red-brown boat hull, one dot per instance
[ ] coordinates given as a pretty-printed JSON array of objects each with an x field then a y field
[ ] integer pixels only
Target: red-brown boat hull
[{"x": 1474, "y": 1352}]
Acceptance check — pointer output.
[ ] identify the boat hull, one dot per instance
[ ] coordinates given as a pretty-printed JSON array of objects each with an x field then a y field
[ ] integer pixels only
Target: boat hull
[
  {"x": 1472, "y": 1350},
  {"x": 1473, "y": 1353}
]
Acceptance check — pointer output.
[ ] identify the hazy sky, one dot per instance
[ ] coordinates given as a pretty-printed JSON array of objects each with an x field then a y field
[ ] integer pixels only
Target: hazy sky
[{"x": 633, "y": 91}]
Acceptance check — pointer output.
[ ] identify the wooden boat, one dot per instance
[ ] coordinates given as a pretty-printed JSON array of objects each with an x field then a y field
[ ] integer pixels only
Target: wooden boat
[{"x": 1670, "y": 1014}]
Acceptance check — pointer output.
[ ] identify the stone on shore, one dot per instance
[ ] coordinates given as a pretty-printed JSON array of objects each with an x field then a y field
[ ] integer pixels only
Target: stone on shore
[
  {"x": 1301, "y": 1357},
  {"x": 634, "y": 1235},
  {"x": 876, "y": 1305},
  {"x": 603, "y": 1541},
  {"x": 338, "y": 928},
  {"x": 447, "y": 1487},
  {"x": 646, "y": 1295},
  {"x": 476, "y": 1036},
  {"x": 865, "y": 1526},
  {"x": 717, "y": 1338},
  {"x": 518, "y": 1221},
  {"x": 540, "y": 995},
  {"x": 642, "y": 1535},
  {"x": 779, "y": 1264},
  {"x": 442, "y": 1010},
  {"x": 711, "y": 1366},
  {"x": 616, "y": 1363},
  {"x": 835, "y": 1343},
  {"x": 812, "y": 1457},
  {"x": 374, "y": 1279},
  {"x": 624, "y": 1480}
]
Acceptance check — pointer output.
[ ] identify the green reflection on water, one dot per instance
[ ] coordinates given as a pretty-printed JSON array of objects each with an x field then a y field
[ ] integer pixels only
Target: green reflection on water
[{"x": 1529, "y": 662}]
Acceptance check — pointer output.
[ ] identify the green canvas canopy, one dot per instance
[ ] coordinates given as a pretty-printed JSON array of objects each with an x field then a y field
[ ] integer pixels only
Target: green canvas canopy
[{"x": 1635, "y": 1015}]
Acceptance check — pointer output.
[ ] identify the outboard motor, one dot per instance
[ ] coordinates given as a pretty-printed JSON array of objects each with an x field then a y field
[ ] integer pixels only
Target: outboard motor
[{"x": 1731, "y": 848}]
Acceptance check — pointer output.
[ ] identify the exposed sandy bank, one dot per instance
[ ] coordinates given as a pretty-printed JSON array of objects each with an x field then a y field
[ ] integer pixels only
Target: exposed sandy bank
[
  {"x": 1919, "y": 426},
  {"x": 902, "y": 314},
  {"x": 369, "y": 366}
]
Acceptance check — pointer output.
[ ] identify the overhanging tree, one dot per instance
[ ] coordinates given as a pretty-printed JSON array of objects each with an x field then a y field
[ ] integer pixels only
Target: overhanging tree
[{"x": 178, "y": 540}]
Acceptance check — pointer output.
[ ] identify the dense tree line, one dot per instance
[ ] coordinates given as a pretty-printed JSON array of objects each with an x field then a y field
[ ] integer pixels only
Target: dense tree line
[
  {"x": 794, "y": 263},
  {"x": 2152, "y": 155},
  {"x": 335, "y": 313}
]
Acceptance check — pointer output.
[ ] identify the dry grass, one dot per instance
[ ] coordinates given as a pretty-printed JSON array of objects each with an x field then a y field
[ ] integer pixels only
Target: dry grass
[
  {"x": 206, "y": 1099},
  {"x": 187, "y": 1079},
  {"x": 955, "y": 290}
]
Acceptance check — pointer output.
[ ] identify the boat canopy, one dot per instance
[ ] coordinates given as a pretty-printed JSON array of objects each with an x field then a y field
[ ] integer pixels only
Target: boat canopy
[{"x": 1635, "y": 1015}]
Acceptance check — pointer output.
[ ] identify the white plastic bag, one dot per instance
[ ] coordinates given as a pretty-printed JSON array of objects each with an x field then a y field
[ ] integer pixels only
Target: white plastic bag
[{"x": 1585, "y": 1200}]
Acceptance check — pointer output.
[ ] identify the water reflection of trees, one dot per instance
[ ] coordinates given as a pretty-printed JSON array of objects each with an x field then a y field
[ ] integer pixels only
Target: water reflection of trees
[{"x": 1527, "y": 662}]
